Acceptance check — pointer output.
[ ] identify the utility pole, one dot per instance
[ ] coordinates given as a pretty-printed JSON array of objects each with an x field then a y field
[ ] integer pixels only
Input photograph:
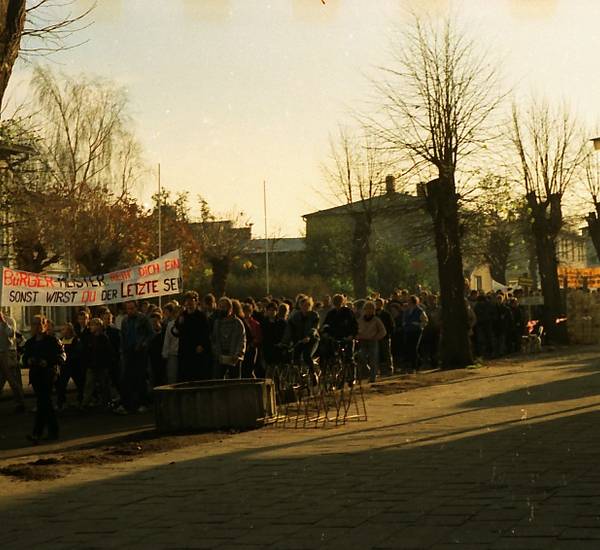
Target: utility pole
[{"x": 266, "y": 237}]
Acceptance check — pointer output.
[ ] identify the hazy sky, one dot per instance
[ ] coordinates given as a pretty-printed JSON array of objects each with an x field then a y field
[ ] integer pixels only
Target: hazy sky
[{"x": 226, "y": 93}]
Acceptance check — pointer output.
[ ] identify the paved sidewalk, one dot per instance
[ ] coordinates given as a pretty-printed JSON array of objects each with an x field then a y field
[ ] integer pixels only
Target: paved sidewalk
[{"x": 507, "y": 461}]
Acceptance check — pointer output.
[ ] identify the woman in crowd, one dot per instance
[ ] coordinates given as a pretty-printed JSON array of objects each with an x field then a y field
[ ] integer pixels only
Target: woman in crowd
[
  {"x": 253, "y": 342},
  {"x": 228, "y": 340},
  {"x": 302, "y": 332},
  {"x": 158, "y": 371},
  {"x": 170, "y": 349},
  {"x": 371, "y": 331},
  {"x": 413, "y": 322}
]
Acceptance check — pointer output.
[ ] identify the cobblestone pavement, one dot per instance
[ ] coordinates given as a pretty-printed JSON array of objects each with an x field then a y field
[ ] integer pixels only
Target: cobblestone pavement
[{"x": 509, "y": 460}]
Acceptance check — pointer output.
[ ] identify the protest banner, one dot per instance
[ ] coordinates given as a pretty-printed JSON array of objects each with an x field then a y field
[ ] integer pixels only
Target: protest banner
[{"x": 159, "y": 277}]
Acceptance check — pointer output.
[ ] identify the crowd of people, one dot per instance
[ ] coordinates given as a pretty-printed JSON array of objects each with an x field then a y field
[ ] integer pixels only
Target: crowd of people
[{"x": 114, "y": 359}]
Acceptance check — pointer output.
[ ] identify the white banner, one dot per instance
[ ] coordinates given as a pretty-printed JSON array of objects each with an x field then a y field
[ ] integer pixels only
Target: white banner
[{"x": 159, "y": 277}]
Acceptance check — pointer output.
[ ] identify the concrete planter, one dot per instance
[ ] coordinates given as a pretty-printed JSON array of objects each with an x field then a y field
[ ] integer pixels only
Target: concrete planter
[{"x": 214, "y": 404}]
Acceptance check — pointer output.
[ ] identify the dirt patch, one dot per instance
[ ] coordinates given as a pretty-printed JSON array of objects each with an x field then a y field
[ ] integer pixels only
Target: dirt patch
[{"x": 55, "y": 466}]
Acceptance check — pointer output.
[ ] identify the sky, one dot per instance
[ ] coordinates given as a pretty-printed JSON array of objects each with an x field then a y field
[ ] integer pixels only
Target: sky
[{"x": 227, "y": 94}]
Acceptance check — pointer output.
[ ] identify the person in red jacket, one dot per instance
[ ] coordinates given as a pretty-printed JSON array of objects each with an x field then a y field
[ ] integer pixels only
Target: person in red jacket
[{"x": 253, "y": 342}]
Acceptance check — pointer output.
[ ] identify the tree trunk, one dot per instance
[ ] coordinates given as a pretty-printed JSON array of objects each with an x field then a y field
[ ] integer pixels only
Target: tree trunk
[
  {"x": 220, "y": 273},
  {"x": 12, "y": 22},
  {"x": 360, "y": 252},
  {"x": 593, "y": 223},
  {"x": 497, "y": 254},
  {"x": 33, "y": 257},
  {"x": 442, "y": 204},
  {"x": 97, "y": 261},
  {"x": 546, "y": 223}
]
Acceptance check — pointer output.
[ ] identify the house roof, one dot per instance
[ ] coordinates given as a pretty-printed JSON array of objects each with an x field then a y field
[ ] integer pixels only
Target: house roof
[
  {"x": 380, "y": 202},
  {"x": 277, "y": 246}
]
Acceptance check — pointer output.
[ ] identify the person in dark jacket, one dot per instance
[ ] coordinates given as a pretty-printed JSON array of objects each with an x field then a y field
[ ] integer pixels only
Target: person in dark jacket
[
  {"x": 136, "y": 334},
  {"x": 414, "y": 320},
  {"x": 158, "y": 366},
  {"x": 42, "y": 354},
  {"x": 396, "y": 310},
  {"x": 385, "y": 346},
  {"x": 97, "y": 382},
  {"x": 517, "y": 329},
  {"x": 339, "y": 324},
  {"x": 250, "y": 364},
  {"x": 82, "y": 352},
  {"x": 302, "y": 332},
  {"x": 193, "y": 330},
  {"x": 114, "y": 336},
  {"x": 273, "y": 329},
  {"x": 485, "y": 313},
  {"x": 69, "y": 368}
]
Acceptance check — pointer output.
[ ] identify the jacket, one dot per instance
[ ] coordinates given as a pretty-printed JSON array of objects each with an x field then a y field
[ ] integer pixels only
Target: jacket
[
  {"x": 340, "y": 323},
  {"x": 171, "y": 343},
  {"x": 229, "y": 338},
  {"x": 301, "y": 326},
  {"x": 136, "y": 333},
  {"x": 371, "y": 329}
]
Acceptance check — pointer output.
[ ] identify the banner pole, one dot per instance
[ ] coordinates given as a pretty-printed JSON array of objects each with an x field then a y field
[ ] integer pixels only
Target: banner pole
[{"x": 159, "y": 225}]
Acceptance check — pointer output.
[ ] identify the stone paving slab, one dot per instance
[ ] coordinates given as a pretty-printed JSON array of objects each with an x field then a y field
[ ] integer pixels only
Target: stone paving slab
[{"x": 502, "y": 462}]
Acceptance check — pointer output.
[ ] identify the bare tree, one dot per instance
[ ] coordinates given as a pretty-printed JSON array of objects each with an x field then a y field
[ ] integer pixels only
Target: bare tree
[
  {"x": 176, "y": 231},
  {"x": 591, "y": 180},
  {"x": 550, "y": 150},
  {"x": 221, "y": 241},
  {"x": 438, "y": 96},
  {"x": 91, "y": 164},
  {"x": 356, "y": 175},
  {"x": 12, "y": 18},
  {"x": 31, "y": 27},
  {"x": 492, "y": 226}
]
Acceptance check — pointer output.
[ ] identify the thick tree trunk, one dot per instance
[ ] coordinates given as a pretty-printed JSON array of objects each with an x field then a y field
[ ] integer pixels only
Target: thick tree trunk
[
  {"x": 498, "y": 254},
  {"x": 553, "y": 302},
  {"x": 546, "y": 223},
  {"x": 220, "y": 273},
  {"x": 442, "y": 204},
  {"x": 593, "y": 223},
  {"x": 12, "y": 22},
  {"x": 360, "y": 253}
]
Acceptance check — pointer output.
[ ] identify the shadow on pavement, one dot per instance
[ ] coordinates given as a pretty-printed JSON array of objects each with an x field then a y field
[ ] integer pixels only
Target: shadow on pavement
[
  {"x": 587, "y": 385},
  {"x": 77, "y": 428},
  {"x": 492, "y": 490}
]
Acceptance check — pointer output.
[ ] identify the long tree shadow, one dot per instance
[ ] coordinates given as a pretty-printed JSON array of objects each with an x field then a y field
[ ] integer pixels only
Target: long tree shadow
[
  {"x": 493, "y": 488},
  {"x": 566, "y": 389}
]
